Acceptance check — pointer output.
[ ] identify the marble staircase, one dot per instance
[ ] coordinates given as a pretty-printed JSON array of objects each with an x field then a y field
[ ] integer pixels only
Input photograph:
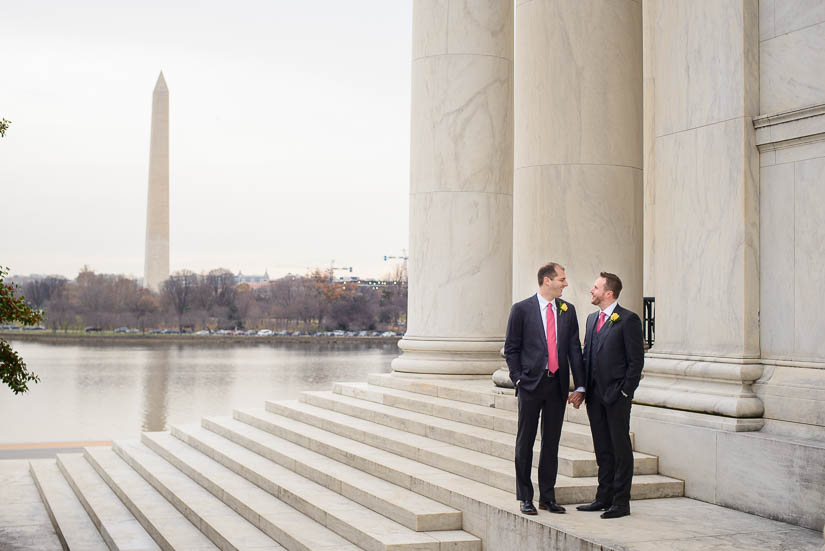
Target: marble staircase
[{"x": 392, "y": 464}]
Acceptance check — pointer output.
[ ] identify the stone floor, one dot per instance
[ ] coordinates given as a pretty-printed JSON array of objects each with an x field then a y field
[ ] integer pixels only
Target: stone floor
[
  {"x": 433, "y": 458},
  {"x": 24, "y": 523}
]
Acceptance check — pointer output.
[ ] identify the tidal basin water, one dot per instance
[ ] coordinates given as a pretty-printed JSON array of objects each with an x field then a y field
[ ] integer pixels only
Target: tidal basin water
[{"x": 106, "y": 392}]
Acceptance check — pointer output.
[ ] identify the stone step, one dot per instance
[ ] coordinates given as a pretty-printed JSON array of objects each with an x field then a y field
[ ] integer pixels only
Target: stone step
[
  {"x": 319, "y": 502},
  {"x": 329, "y": 510},
  {"x": 573, "y": 462},
  {"x": 484, "y": 468},
  {"x": 477, "y": 392},
  {"x": 503, "y": 420},
  {"x": 488, "y": 512},
  {"x": 223, "y": 525},
  {"x": 401, "y": 505},
  {"x": 72, "y": 524},
  {"x": 167, "y": 526},
  {"x": 115, "y": 523}
]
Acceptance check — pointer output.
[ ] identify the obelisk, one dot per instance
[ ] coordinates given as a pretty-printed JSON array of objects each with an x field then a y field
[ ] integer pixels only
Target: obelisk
[{"x": 156, "y": 267}]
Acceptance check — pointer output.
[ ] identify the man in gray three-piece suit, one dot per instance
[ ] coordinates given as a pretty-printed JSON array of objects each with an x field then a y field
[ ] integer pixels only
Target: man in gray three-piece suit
[{"x": 613, "y": 359}]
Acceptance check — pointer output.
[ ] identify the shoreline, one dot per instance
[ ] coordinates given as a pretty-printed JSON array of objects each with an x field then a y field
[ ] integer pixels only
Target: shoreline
[{"x": 137, "y": 338}]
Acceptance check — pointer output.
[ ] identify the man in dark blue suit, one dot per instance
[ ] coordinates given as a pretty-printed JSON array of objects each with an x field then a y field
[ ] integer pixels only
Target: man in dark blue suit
[
  {"x": 542, "y": 347},
  {"x": 613, "y": 358}
]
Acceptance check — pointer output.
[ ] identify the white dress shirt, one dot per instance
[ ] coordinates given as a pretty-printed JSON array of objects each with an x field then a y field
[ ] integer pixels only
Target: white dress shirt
[
  {"x": 607, "y": 313},
  {"x": 550, "y": 306}
]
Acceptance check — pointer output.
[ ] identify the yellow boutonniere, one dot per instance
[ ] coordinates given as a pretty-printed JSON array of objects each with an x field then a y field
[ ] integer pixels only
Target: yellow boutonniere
[
  {"x": 564, "y": 307},
  {"x": 614, "y": 317}
]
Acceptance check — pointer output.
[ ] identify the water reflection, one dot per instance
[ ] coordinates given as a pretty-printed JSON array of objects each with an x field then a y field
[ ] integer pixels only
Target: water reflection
[
  {"x": 106, "y": 392},
  {"x": 155, "y": 386}
]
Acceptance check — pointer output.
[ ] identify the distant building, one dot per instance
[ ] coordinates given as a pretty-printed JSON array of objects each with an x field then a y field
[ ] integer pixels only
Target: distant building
[{"x": 252, "y": 280}]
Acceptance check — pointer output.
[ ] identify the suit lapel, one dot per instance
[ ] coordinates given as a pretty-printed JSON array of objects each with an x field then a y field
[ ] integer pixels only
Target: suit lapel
[
  {"x": 590, "y": 332},
  {"x": 608, "y": 326},
  {"x": 560, "y": 323},
  {"x": 537, "y": 312}
]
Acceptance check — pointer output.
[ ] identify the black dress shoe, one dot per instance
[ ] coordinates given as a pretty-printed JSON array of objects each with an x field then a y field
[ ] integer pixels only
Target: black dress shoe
[
  {"x": 616, "y": 512},
  {"x": 551, "y": 506},
  {"x": 527, "y": 508},
  {"x": 595, "y": 506}
]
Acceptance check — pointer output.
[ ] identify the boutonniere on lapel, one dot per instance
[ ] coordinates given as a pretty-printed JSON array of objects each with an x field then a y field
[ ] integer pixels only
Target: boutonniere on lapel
[
  {"x": 562, "y": 308},
  {"x": 614, "y": 317}
]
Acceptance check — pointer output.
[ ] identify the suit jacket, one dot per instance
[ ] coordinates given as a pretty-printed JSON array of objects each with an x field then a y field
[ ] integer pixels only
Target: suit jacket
[
  {"x": 616, "y": 359},
  {"x": 525, "y": 346}
]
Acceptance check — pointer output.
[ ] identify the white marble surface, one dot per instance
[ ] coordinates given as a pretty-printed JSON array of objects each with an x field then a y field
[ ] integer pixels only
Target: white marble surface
[
  {"x": 791, "y": 73},
  {"x": 461, "y": 176},
  {"x": 707, "y": 210},
  {"x": 777, "y": 17},
  {"x": 579, "y": 83},
  {"x": 791, "y": 477},
  {"x": 793, "y": 246},
  {"x": 795, "y": 395},
  {"x": 810, "y": 257},
  {"x": 695, "y": 464},
  {"x": 462, "y": 27},
  {"x": 459, "y": 276},
  {"x": 777, "y": 301},
  {"x": 649, "y": 146},
  {"x": 766, "y": 19},
  {"x": 577, "y": 196},
  {"x": 586, "y": 217},
  {"x": 156, "y": 264},
  {"x": 706, "y": 62},
  {"x": 462, "y": 124}
]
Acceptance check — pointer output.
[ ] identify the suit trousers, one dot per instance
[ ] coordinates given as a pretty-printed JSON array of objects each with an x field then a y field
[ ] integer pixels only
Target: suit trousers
[
  {"x": 610, "y": 427},
  {"x": 547, "y": 402}
]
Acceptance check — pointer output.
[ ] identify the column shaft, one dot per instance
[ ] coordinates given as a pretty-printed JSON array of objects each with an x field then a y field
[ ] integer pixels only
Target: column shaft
[
  {"x": 460, "y": 187},
  {"x": 702, "y": 83},
  {"x": 577, "y": 196}
]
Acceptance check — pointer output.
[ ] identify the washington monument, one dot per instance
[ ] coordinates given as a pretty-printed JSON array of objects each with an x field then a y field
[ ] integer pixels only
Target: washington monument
[{"x": 156, "y": 267}]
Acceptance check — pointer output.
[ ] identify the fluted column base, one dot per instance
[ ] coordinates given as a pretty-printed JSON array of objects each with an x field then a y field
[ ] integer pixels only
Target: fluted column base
[
  {"x": 716, "y": 386},
  {"x": 456, "y": 357}
]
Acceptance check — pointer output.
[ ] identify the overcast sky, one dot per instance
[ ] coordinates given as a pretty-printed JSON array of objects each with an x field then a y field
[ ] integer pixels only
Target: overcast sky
[{"x": 289, "y": 133}]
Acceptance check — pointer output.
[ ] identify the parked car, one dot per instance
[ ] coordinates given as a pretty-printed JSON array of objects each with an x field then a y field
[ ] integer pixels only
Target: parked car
[
  {"x": 33, "y": 328},
  {"x": 202, "y": 332},
  {"x": 122, "y": 330},
  {"x": 265, "y": 333},
  {"x": 93, "y": 329},
  {"x": 388, "y": 334}
]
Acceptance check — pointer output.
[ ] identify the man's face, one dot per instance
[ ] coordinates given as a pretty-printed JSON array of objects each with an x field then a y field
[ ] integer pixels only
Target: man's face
[
  {"x": 598, "y": 294},
  {"x": 556, "y": 285}
]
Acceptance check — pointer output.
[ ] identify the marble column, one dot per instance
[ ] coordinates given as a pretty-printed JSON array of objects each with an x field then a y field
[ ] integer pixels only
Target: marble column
[
  {"x": 702, "y": 84},
  {"x": 461, "y": 174},
  {"x": 577, "y": 191},
  {"x": 156, "y": 266}
]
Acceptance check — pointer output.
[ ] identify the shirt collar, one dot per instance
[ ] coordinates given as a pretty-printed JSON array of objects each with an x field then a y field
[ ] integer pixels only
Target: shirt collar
[
  {"x": 543, "y": 302},
  {"x": 609, "y": 310}
]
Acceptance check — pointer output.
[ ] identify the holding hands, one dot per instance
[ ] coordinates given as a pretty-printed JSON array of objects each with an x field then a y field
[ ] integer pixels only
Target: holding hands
[{"x": 575, "y": 398}]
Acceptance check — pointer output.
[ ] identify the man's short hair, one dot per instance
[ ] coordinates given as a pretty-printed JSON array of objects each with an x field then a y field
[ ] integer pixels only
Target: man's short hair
[
  {"x": 549, "y": 270},
  {"x": 612, "y": 283}
]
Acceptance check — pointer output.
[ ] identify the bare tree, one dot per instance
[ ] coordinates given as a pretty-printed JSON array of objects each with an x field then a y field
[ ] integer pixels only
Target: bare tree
[
  {"x": 178, "y": 292},
  {"x": 38, "y": 291},
  {"x": 143, "y": 304}
]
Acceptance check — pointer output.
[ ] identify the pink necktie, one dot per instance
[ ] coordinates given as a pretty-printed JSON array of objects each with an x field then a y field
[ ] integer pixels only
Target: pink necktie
[
  {"x": 601, "y": 322},
  {"x": 552, "y": 356}
]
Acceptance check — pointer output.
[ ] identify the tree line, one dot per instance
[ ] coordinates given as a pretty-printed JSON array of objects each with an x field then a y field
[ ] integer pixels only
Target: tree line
[{"x": 213, "y": 301}]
